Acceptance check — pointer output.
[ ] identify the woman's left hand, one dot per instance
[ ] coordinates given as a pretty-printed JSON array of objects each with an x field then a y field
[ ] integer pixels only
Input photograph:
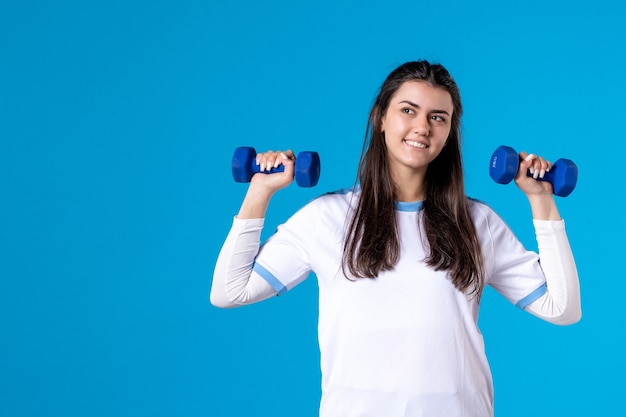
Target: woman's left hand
[{"x": 537, "y": 166}]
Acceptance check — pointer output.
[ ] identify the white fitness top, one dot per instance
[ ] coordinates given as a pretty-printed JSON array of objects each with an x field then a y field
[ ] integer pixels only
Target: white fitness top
[{"x": 405, "y": 343}]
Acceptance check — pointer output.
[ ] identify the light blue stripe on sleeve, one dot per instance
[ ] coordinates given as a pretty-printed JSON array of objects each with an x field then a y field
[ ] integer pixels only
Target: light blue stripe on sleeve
[
  {"x": 271, "y": 279},
  {"x": 526, "y": 301}
]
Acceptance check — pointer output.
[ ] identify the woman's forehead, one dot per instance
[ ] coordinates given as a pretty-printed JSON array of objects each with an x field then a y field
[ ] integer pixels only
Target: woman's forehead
[{"x": 423, "y": 94}]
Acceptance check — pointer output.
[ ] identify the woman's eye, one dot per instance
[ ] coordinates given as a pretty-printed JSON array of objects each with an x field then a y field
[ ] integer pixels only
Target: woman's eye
[
  {"x": 438, "y": 118},
  {"x": 407, "y": 110}
]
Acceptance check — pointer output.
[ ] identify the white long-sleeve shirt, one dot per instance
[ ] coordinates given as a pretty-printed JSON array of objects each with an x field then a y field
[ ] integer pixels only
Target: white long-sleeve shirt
[{"x": 405, "y": 343}]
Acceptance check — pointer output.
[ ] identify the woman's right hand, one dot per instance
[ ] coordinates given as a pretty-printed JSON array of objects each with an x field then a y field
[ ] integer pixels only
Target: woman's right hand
[
  {"x": 263, "y": 186},
  {"x": 278, "y": 180}
]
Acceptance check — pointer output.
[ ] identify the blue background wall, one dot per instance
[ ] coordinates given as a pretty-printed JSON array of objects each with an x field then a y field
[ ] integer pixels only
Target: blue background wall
[{"x": 118, "y": 120}]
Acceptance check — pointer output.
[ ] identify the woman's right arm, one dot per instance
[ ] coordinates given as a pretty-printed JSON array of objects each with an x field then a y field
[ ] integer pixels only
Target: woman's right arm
[{"x": 233, "y": 282}]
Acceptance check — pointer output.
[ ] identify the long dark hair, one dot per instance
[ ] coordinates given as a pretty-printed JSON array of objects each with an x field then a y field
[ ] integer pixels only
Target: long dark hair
[{"x": 372, "y": 244}]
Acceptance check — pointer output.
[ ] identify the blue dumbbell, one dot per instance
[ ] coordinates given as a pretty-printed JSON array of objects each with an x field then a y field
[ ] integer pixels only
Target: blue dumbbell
[
  {"x": 307, "y": 169},
  {"x": 505, "y": 163}
]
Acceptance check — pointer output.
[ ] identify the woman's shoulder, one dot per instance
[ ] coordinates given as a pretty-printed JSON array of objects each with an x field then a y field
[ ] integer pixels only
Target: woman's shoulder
[
  {"x": 344, "y": 197},
  {"x": 480, "y": 210},
  {"x": 329, "y": 204},
  {"x": 485, "y": 217}
]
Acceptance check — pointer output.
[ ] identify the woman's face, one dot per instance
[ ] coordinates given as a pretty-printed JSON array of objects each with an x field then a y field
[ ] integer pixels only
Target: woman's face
[{"x": 416, "y": 126}]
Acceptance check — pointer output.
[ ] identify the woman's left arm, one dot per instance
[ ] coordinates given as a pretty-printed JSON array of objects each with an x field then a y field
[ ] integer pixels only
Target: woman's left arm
[{"x": 561, "y": 302}]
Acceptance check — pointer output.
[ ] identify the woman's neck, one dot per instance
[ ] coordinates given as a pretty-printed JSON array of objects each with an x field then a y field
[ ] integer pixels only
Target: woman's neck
[{"x": 409, "y": 186}]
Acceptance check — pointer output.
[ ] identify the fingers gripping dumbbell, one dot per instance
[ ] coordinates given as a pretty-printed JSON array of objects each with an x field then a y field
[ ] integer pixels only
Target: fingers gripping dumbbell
[
  {"x": 307, "y": 169},
  {"x": 505, "y": 163}
]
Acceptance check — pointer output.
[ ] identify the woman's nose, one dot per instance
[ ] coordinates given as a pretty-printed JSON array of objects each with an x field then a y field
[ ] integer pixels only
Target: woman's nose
[{"x": 421, "y": 126}]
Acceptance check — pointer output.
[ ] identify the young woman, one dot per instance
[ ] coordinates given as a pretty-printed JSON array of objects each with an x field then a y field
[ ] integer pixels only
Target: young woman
[{"x": 402, "y": 259}]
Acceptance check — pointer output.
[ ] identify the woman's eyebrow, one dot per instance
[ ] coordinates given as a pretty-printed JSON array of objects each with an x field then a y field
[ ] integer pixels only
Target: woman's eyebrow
[{"x": 410, "y": 103}]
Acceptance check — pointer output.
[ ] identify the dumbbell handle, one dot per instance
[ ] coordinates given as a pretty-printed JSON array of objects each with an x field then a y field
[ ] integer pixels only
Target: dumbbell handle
[
  {"x": 257, "y": 168},
  {"x": 547, "y": 176}
]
